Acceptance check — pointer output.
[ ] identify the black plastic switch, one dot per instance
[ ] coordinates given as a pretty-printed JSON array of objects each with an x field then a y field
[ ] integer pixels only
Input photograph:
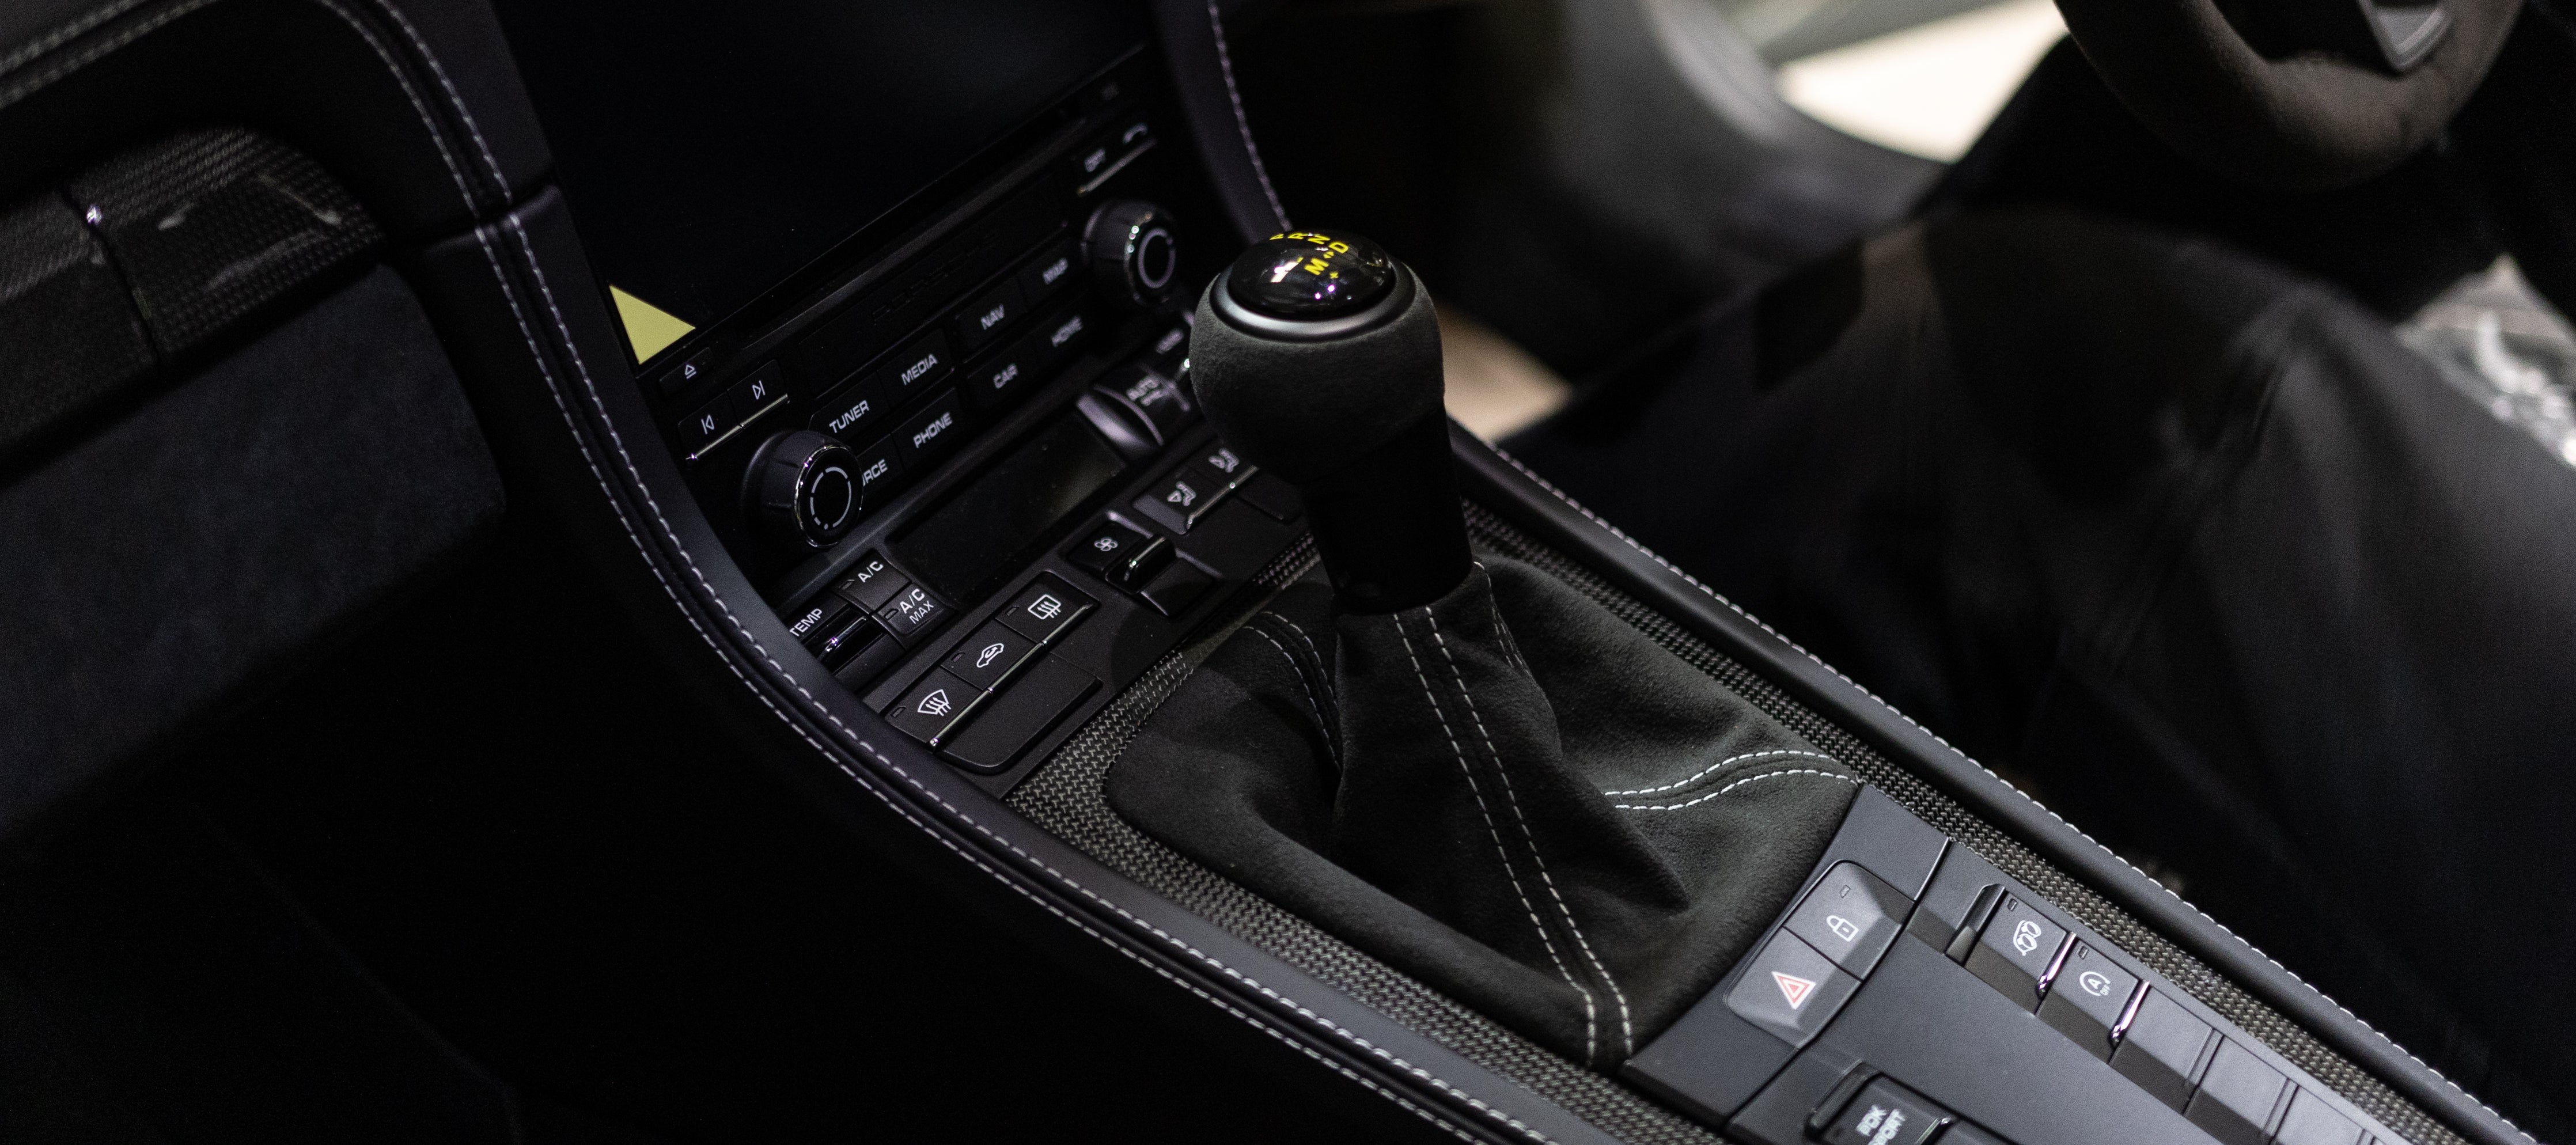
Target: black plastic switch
[
  {"x": 1111, "y": 546},
  {"x": 871, "y": 583},
  {"x": 933, "y": 707},
  {"x": 817, "y": 620},
  {"x": 2015, "y": 949},
  {"x": 1023, "y": 712},
  {"x": 931, "y": 432},
  {"x": 868, "y": 659},
  {"x": 2311, "y": 1121},
  {"x": 1884, "y": 1113},
  {"x": 1966, "y": 1134},
  {"x": 1222, "y": 467},
  {"x": 1003, "y": 378},
  {"x": 912, "y": 614},
  {"x": 1180, "y": 585},
  {"x": 990, "y": 655},
  {"x": 1050, "y": 271},
  {"x": 1790, "y": 990},
  {"x": 2237, "y": 1096},
  {"x": 980, "y": 321},
  {"x": 1274, "y": 497},
  {"x": 2163, "y": 1049},
  {"x": 1179, "y": 500},
  {"x": 2087, "y": 997},
  {"x": 879, "y": 469},
  {"x": 1044, "y": 609},
  {"x": 1850, "y": 917},
  {"x": 846, "y": 637}
]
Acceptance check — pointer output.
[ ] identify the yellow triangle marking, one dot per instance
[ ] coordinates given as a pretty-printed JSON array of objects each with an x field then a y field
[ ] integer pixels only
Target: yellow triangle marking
[{"x": 649, "y": 328}]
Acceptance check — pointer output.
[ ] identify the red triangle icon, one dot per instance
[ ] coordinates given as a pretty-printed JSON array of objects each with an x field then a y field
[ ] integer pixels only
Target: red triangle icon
[{"x": 1794, "y": 988}]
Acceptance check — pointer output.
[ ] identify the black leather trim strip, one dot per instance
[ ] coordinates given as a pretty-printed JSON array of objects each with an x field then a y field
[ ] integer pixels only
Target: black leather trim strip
[
  {"x": 1193, "y": 35},
  {"x": 1494, "y": 479}
]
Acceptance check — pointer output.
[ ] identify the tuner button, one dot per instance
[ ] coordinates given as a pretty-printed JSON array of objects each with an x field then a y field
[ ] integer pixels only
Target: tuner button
[
  {"x": 804, "y": 489},
  {"x": 1134, "y": 254}
]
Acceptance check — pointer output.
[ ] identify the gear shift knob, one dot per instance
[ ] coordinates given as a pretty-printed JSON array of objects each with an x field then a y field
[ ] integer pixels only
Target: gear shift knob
[{"x": 1318, "y": 359}]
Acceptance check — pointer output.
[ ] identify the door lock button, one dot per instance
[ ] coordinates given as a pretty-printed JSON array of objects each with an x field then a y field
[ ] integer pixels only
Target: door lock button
[{"x": 1850, "y": 917}]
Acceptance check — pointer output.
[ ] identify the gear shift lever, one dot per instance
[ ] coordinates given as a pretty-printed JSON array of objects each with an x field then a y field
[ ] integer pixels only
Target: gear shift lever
[{"x": 1318, "y": 358}]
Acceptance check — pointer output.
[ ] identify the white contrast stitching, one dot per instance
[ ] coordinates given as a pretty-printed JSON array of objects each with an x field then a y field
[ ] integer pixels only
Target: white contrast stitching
[
  {"x": 1243, "y": 126},
  {"x": 1971, "y": 761},
  {"x": 1299, "y": 671},
  {"x": 1694, "y": 802},
  {"x": 1705, "y": 772},
  {"x": 1500, "y": 852},
  {"x": 1511, "y": 797},
  {"x": 1311, "y": 650}
]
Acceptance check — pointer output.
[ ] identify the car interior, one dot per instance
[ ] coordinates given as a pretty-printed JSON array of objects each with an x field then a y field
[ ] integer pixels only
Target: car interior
[{"x": 661, "y": 572}]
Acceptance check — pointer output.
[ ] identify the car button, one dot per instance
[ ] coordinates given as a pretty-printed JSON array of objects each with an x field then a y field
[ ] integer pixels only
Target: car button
[
  {"x": 2014, "y": 951},
  {"x": 1003, "y": 378},
  {"x": 1044, "y": 609},
  {"x": 984, "y": 319},
  {"x": 1110, "y": 546},
  {"x": 1885, "y": 1113},
  {"x": 1050, "y": 272},
  {"x": 931, "y": 432},
  {"x": 1790, "y": 990},
  {"x": 930, "y": 709},
  {"x": 1850, "y": 917},
  {"x": 2236, "y": 1097},
  {"x": 1180, "y": 500},
  {"x": 912, "y": 614},
  {"x": 2161, "y": 1051},
  {"x": 990, "y": 655},
  {"x": 2087, "y": 997},
  {"x": 1016, "y": 718}
]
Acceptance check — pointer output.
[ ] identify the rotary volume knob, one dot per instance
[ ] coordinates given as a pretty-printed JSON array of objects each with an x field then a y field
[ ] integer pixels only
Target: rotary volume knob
[
  {"x": 1134, "y": 255},
  {"x": 804, "y": 489}
]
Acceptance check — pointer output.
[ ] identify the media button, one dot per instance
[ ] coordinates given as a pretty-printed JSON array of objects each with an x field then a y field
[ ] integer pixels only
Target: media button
[{"x": 913, "y": 368}]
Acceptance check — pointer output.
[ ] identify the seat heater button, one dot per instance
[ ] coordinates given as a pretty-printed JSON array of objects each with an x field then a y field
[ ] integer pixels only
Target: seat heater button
[
  {"x": 2015, "y": 950},
  {"x": 1222, "y": 468},
  {"x": 2312, "y": 1122},
  {"x": 935, "y": 706},
  {"x": 2236, "y": 1097},
  {"x": 2162, "y": 1050},
  {"x": 912, "y": 614},
  {"x": 990, "y": 655},
  {"x": 1790, "y": 990},
  {"x": 1045, "y": 609},
  {"x": 1850, "y": 917},
  {"x": 2087, "y": 998},
  {"x": 871, "y": 583},
  {"x": 1885, "y": 1113}
]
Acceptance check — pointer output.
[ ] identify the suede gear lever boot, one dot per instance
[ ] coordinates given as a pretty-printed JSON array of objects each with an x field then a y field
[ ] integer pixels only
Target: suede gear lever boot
[{"x": 1509, "y": 793}]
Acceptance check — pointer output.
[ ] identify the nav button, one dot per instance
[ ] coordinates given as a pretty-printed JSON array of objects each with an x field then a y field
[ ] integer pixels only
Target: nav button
[{"x": 1790, "y": 990}]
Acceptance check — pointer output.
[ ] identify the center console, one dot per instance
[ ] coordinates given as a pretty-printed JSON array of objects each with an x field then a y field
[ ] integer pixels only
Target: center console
[{"x": 912, "y": 299}]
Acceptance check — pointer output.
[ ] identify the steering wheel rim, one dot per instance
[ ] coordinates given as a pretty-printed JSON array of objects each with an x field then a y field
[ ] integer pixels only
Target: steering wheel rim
[{"x": 2302, "y": 123}]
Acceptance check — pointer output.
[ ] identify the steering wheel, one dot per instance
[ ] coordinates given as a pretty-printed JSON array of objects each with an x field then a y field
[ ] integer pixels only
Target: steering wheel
[{"x": 2313, "y": 120}]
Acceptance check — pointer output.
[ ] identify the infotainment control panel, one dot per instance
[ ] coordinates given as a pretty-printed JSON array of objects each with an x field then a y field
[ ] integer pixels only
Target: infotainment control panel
[{"x": 968, "y": 467}]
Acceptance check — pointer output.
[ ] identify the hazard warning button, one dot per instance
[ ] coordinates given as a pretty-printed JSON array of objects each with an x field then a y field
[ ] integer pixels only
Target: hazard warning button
[{"x": 1789, "y": 989}]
